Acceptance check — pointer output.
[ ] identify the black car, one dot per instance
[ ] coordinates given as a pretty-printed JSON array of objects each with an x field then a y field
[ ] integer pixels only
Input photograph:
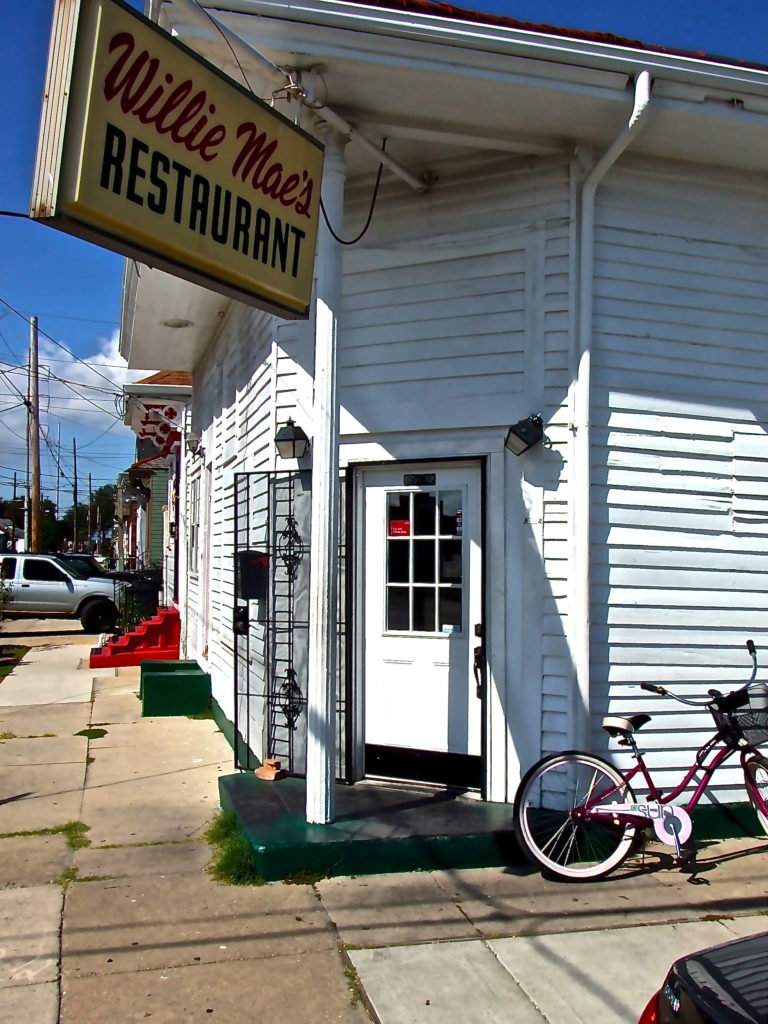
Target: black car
[{"x": 726, "y": 984}]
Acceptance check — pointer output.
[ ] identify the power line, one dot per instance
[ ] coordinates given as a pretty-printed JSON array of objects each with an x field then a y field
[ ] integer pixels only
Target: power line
[{"x": 57, "y": 343}]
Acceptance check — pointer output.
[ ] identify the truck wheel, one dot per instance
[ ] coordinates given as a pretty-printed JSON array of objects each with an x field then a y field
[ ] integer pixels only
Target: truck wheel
[{"x": 98, "y": 616}]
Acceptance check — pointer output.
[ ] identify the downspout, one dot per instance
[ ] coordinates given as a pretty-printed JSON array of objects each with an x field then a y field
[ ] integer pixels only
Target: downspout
[{"x": 580, "y": 608}]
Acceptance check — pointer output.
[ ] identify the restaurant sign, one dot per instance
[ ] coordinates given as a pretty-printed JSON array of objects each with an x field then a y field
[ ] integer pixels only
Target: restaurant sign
[{"x": 148, "y": 150}]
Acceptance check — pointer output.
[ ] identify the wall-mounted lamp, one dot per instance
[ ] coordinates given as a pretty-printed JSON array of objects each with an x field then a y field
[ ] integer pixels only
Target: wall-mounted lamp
[
  {"x": 291, "y": 441},
  {"x": 192, "y": 443},
  {"x": 525, "y": 434}
]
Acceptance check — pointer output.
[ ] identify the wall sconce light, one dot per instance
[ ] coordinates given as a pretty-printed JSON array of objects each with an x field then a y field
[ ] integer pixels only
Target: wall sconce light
[
  {"x": 291, "y": 441},
  {"x": 192, "y": 443},
  {"x": 525, "y": 434}
]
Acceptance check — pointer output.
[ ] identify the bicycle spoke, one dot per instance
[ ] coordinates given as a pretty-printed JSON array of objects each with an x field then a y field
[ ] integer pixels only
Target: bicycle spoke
[{"x": 553, "y": 820}]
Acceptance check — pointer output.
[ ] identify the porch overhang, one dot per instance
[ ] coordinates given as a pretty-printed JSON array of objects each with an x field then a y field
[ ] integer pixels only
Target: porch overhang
[{"x": 166, "y": 323}]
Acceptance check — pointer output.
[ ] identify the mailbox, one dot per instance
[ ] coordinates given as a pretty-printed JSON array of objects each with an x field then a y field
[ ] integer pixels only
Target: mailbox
[{"x": 252, "y": 575}]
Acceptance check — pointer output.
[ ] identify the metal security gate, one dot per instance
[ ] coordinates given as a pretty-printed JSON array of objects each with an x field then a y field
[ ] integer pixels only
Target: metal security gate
[{"x": 271, "y": 622}]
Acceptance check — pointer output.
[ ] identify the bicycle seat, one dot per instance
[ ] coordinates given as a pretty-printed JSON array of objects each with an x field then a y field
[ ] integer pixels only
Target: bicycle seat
[{"x": 615, "y": 725}]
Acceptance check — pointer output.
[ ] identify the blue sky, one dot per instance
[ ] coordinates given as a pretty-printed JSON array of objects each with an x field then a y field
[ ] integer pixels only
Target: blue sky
[{"x": 74, "y": 287}]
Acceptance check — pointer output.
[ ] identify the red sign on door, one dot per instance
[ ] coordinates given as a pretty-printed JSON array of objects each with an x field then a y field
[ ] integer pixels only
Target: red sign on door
[{"x": 399, "y": 528}]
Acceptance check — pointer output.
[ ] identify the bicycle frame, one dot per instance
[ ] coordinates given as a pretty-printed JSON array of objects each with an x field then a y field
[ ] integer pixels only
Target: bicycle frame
[{"x": 592, "y": 809}]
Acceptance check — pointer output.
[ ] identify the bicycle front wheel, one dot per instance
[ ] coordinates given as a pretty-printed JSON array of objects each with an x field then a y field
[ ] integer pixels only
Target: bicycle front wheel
[
  {"x": 550, "y": 827},
  {"x": 756, "y": 781}
]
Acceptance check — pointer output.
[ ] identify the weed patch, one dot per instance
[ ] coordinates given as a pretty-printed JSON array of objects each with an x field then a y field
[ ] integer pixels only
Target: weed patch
[
  {"x": 234, "y": 862},
  {"x": 67, "y": 877},
  {"x": 8, "y": 736},
  {"x": 353, "y": 983},
  {"x": 73, "y": 832},
  {"x": 92, "y": 734},
  {"x": 306, "y": 878}
]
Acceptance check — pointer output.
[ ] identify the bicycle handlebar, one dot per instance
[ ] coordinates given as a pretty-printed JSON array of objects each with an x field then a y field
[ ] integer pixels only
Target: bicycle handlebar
[{"x": 714, "y": 695}]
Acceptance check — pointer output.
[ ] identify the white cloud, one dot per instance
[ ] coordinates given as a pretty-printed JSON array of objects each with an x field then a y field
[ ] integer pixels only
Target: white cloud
[{"x": 85, "y": 408}]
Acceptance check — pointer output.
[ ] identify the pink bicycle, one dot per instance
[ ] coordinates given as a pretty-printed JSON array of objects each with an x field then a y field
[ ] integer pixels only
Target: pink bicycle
[{"x": 577, "y": 816}]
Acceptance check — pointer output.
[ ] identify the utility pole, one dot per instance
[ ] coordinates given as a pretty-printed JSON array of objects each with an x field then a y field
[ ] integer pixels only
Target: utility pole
[
  {"x": 74, "y": 495},
  {"x": 15, "y": 510},
  {"x": 58, "y": 470},
  {"x": 33, "y": 423},
  {"x": 90, "y": 515}
]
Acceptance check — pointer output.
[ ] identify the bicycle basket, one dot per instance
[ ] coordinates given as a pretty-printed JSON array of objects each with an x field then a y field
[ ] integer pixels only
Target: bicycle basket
[{"x": 743, "y": 728}]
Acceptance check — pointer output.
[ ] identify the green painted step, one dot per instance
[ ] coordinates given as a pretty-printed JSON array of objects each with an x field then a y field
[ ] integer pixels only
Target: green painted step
[
  {"x": 175, "y": 693},
  {"x": 157, "y": 667},
  {"x": 377, "y": 829}
]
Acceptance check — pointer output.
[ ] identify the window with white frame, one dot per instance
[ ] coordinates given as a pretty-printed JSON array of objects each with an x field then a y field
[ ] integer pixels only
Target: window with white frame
[{"x": 193, "y": 528}]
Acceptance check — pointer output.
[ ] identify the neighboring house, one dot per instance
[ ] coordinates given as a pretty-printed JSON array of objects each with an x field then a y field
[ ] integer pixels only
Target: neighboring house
[
  {"x": 591, "y": 244},
  {"x": 155, "y": 408}
]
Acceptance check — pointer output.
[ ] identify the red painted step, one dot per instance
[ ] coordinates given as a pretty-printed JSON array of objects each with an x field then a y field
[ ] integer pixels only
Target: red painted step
[{"x": 155, "y": 639}]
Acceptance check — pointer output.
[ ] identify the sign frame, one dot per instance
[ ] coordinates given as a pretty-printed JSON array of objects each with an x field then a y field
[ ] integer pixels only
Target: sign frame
[{"x": 272, "y": 208}]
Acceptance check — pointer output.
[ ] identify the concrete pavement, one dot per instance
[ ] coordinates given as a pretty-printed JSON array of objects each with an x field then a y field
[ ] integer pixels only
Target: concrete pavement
[{"x": 131, "y": 928}]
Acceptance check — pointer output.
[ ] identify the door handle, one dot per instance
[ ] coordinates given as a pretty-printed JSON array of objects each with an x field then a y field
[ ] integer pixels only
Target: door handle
[{"x": 478, "y": 668}]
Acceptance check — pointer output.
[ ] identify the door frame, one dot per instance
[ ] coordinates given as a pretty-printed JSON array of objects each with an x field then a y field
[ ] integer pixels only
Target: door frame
[{"x": 355, "y": 600}]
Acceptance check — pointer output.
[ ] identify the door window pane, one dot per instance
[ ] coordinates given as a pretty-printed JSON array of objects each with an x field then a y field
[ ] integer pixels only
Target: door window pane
[
  {"x": 398, "y": 515},
  {"x": 423, "y": 561},
  {"x": 450, "y": 607},
  {"x": 424, "y": 508},
  {"x": 450, "y": 561},
  {"x": 423, "y": 609},
  {"x": 397, "y": 561},
  {"x": 451, "y": 513},
  {"x": 397, "y": 608}
]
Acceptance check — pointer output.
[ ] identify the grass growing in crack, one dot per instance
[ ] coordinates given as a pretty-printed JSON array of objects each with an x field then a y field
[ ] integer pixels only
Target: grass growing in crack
[
  {"x": 353, "y": 983},
  {"x": 306, "y": 878},
  {"x": 92, "y": 734},
  {"x": 234, "y": 862},
  {"x": 67, "y": 877},
  {"x": 8, "y": 736},
  {"x": 73, "y": 832}
]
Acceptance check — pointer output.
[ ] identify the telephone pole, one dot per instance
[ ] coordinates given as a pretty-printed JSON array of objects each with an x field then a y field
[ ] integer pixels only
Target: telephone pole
[
  {"x": 33, "y": 428},
  {"x": 74, "y": 495},
  {"x": 58, "y": 470},
  {"x": 90, "y": 515}
]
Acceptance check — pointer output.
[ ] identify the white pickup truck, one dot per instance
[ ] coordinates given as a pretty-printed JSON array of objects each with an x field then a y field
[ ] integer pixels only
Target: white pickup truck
[{"x": 43, "y": 586}]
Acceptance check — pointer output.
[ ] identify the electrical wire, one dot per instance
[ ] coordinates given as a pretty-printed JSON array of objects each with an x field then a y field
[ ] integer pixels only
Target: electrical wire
[
  {"x": 353, "y": 241},
  {"x": 64, "y": 348}
]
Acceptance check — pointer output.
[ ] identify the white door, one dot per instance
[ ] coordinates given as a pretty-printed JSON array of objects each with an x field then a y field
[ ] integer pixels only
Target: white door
[{"x": 421, "y": 564}]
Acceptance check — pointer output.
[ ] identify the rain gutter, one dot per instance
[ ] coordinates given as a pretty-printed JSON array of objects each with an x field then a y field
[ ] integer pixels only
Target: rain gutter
[{"x": 500, "y": 39}]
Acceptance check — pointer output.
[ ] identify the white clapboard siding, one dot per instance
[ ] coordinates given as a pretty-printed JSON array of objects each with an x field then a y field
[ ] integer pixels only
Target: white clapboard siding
[
  {"x": 438, "y": 297},
  {"x": 680, "y": 459},
  {"x": 458, "y": 312},
  {"x": 234, "y": 398}
]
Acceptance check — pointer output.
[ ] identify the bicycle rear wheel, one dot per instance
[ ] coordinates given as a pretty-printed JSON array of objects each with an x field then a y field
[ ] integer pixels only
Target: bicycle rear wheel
[
  {"x": 756, "y": 781},
  {"x": 547, "y": 823}
]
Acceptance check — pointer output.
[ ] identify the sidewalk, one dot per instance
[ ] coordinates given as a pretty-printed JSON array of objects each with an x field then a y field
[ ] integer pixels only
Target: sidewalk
[{"x": 130, "y": 928}]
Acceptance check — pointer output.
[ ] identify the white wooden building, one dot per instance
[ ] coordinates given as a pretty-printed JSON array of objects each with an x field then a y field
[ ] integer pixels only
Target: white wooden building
[{"x": 571, "y": 227}]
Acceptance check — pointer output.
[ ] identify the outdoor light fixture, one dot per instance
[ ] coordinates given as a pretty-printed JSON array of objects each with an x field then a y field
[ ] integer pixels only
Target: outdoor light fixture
[
  {"x": 525, "y": 434},
  {"x": 192, "y": 443},
  {"x": 291, "y": 441}
]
